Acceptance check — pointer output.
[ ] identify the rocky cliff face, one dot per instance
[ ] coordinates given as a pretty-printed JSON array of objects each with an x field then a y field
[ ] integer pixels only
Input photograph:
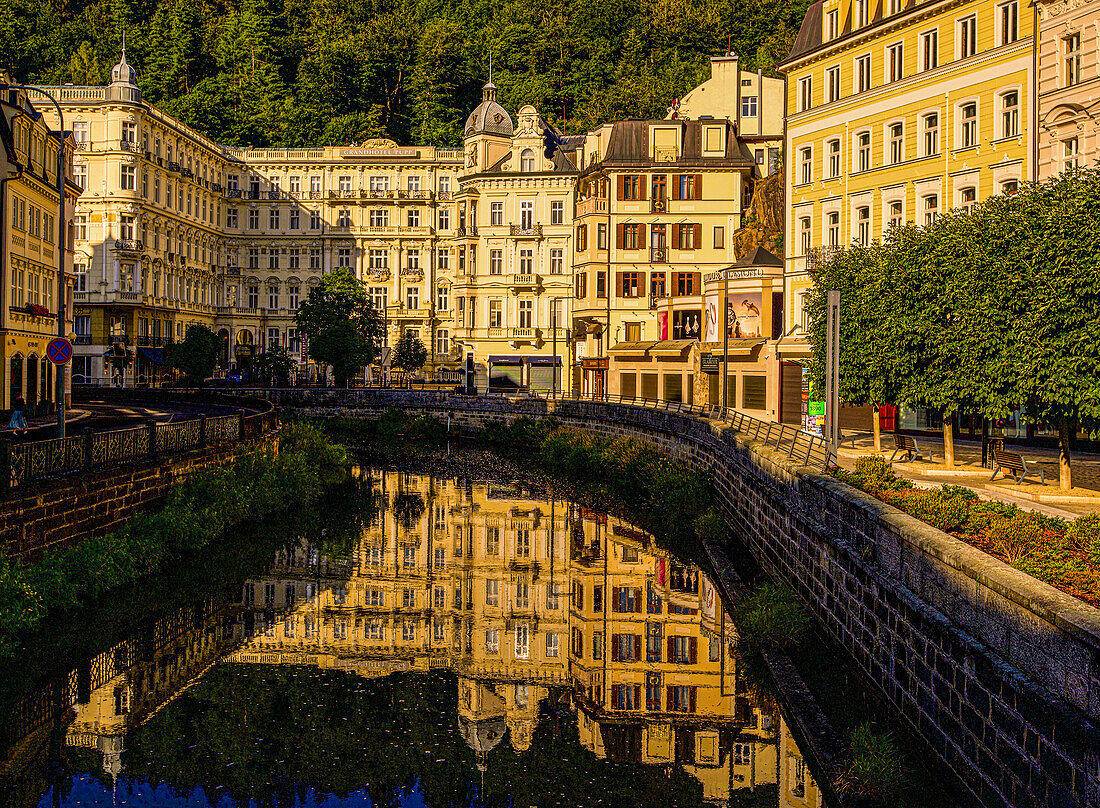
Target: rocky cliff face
[{"x": 763, "y": 221}]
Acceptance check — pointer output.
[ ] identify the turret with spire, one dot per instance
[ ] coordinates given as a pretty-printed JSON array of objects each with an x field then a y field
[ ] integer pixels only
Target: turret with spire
[{"x": 123, "y": 85}]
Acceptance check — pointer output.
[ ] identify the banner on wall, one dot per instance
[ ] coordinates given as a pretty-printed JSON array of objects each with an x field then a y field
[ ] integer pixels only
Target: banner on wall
[
  {"x": 743, "y": 315},
  {"x": 662, "y": 325},
  {"x": 711, "y": 305}
]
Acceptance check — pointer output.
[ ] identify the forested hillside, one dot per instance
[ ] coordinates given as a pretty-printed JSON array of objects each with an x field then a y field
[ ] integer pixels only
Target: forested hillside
[{"x": 296, "y": 72}]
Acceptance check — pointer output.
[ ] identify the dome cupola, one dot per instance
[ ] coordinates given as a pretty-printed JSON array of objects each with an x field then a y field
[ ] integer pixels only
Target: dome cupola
[{"x": 489, "y": 118}]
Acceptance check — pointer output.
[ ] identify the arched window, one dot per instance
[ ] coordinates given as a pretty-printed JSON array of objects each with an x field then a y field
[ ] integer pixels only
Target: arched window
[{"x": 527, "y": 160}]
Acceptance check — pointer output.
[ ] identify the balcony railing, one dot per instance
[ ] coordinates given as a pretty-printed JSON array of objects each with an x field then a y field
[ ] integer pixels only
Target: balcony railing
[
  {"x": 534, "y": 230},
  {"x": 187, "y": 172},
  {"x": 523, "y": 333},
  {"x": 526, "y": 279},
  {"x": 216, "y": 187},
  {"x": 253, "y": 193},
  {"x": 591, "y": 205},
  {"x": 658, "y": 205},
  {"x": 128, "y": 146},
  {"x": 83, "y": 145},
  {"x": 274, "y": 195},
  {"x": 130, "y": 245},
  {"x": 417, "y": 272},
  {"x": 658, "y": 255},
  {"x": 233, "y": 193},
  {"x": 444, "y": 196},
  {"x": 414, "y": 194},
  {"x": 172, "y": 166},
  {"x": 82, "y": 339},
  {"x": 464, "y": 232},
  {"x": 316, "y": 195}
]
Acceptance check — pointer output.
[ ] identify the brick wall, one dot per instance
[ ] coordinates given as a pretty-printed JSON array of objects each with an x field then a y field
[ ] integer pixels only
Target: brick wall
[
  {"x": 997, "y": 671},
  {"x": 61, "y": 512}
]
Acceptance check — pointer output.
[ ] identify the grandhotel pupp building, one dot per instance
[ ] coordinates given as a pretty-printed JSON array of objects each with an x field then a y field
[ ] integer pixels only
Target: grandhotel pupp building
[{"x": 896, "y": 111}]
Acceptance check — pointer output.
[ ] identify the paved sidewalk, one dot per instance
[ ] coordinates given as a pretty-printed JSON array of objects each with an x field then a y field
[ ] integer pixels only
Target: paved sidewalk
[{"x": 968, "y": 471}]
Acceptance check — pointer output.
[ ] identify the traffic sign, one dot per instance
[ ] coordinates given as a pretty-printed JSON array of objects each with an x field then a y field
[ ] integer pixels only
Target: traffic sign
[{"x": 59, "y": 351}]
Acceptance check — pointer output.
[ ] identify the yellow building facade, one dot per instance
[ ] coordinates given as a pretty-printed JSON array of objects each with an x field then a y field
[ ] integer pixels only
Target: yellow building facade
[
  {"x": 896, "y": 112},
  {"x": 30, "y": 246}
]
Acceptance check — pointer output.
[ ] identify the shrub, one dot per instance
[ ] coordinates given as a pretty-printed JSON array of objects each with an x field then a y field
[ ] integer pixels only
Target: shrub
[
  {"x": 1015, "y": 536},
  {"x": 875, "y": 774},
  {"x": 1083, "y": 533},
  {"x": 770, "y": 618},
  {"x": 875, "y": 474}
]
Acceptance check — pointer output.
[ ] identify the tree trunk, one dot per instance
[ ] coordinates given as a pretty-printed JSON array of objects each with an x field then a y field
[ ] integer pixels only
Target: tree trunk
[
  {"x": 876, "y": 426},
  {"x": 1065, "y": 435},
  {"x": 949, "y": 439}
]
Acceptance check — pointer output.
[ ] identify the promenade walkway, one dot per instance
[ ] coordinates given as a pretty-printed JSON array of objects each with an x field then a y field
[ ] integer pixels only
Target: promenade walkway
[{"x": 968, "y": 471}]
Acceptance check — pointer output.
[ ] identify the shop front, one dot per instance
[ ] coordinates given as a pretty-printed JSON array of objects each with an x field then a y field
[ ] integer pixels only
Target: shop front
[
  {"x": 662, "y": 369},
  {"x": 509, "y": 374},
  {"x": 30, "y": 375}
]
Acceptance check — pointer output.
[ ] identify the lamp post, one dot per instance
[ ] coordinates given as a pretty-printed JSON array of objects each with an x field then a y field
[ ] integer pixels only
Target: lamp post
[
  {"x": 554, "y": 339},
  {"x": 60, "y": 373}
]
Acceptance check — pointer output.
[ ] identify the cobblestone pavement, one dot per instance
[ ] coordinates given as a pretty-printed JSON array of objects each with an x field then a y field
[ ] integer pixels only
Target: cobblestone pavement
[{"x": 968, "y": 457}]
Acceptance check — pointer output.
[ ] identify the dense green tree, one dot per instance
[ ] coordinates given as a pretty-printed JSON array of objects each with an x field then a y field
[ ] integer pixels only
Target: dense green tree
[
  {"x": 196, "y": 355},
  {"x": 409, "y": 354},
  {"x": 984, "y": 311},
  {"x": 326, "y": 72},
  {"x": 343, "y": 327},
  {"x": 273, "y": 367}
]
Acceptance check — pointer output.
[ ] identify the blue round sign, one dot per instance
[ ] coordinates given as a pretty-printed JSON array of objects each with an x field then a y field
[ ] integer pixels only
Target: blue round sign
[{"x": 59, "y": 351}]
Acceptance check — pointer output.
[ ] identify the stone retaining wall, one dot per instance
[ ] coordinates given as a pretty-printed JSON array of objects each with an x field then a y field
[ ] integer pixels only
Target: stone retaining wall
[
  {"x": 997, "y": 671},
  {"x": 56, "y": 513}
]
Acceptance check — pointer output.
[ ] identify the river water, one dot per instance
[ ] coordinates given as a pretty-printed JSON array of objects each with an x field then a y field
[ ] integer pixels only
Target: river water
[{"x": 438, "y": 641}]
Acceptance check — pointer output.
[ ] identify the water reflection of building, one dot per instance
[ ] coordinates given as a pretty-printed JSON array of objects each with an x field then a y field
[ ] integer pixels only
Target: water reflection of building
[
  {"x": 651, "y": 662},
  {"x": 797, "y": 788}
]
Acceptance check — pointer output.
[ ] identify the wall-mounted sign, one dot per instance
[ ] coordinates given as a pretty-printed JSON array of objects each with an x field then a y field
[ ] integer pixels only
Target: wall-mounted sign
[
  {"x": 742, "y": 316},
  {"x": 365, "y": 153},
  {"x": 687, "y": 324},
  {"x": 710, "y": 364}
]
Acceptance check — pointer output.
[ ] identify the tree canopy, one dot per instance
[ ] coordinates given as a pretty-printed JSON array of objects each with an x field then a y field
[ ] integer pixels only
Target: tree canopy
[
  {"x": 321, "y": 72},
  {"x": 196, "y": 356},
  {"x": 409, "y": 354},
  {"x": 342, "y": 325},
  {"x": 984, "y": 311}
]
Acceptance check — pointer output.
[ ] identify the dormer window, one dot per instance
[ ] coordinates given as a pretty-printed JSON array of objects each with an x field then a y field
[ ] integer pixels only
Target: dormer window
[
  {"x": 527, "y": 161},
  {"x": 832, "y": 24}
]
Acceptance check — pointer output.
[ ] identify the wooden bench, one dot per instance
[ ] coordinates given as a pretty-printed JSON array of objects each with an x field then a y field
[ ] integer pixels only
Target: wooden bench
[
  {"x": 1012, "y": 462},
  {"x": 908, "y": 444}
]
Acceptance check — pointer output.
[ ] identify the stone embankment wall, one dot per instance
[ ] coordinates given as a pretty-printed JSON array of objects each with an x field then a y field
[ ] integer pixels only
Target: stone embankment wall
[
  {"x": 998, "y": 672},
  {"x": 58, "y": 513}
]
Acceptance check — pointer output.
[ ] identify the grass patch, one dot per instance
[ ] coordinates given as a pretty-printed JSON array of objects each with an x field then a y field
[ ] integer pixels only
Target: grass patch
[
  {"x": 209, "y": 503},
  {"x": 1063, "y": 554},
  {"x": 875, "y": 774},
  {"x": 770, "y": 618}
]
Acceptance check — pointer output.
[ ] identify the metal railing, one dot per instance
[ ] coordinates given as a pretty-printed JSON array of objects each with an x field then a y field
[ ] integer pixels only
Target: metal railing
[
  {"x": 24, "y": 463},
  {"x": 805, "y": 447}
]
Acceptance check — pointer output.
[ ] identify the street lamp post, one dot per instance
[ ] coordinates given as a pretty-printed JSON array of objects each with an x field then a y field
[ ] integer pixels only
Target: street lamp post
[{"x": 60, "y": 373}]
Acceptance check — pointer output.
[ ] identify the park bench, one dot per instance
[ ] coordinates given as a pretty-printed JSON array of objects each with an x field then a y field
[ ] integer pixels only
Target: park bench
[
  {"x": 1012, "y": 462},
  {"x": 908, "y": 445}
]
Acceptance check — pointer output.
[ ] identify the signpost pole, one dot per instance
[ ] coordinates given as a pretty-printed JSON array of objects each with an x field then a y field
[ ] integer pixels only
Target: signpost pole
[
  {"x": 832, "y": 370},
  {"x": 724, "y": 320}
]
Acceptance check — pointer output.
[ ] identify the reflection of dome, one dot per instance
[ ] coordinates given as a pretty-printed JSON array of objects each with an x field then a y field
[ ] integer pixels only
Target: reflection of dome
[
  {"x": 482, "y": 736},
  {"x": 490, "y": 118}
]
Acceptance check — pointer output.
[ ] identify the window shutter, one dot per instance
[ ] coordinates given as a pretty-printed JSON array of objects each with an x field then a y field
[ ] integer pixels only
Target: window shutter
[
  {"x": 691, "y": 694},
  {"x": 697, "y": 283},
  {"x": 676, "y": 186},
  {"x": 671, "y": 651},
  {"x": 615, "y": 648},
  {"x": 620, "y": 284},
  {"x": 693, "y": 650},
  {"x": 637, "y": 646},
  {"x": 676, "y": 236},
  {"x": 698, "y": 186},
  {"x": 637, "y": 697},
  {"x": 619, "y": 231},
  {"x": 620, "y": 185},
  {"x": 696, "y": 236},
  {"x": 668, "y": 698},
  {"x": 641, "y": 187}
]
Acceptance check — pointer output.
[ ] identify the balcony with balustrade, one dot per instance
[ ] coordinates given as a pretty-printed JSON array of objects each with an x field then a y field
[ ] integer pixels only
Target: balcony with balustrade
[
  {"x": 533, "y": 231},
  {"x": 591, "y": 205},
  {"x": 129, "y": 245}
]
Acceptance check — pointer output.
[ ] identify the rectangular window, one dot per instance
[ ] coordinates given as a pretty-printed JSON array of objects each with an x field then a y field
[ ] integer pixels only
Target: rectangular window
[
  {"x": 295, "y": 219},
  {"x": 127, "y": 177},
  {"x": 833, "y": 147},
  {"x": 1008, "y": 22},
  {"x": 863, "y": 151},
  {"x": 863, "y": 73},
  {"x": 523, "y": 641},
  {"x": 967, "y": 29},
  {"x": 273, "y": 219},
  {"x": 832, "y": 84},
  {"x": 254, "y": 219},
  {"x": 1071, "y": 60},
  {"x": 748, "y": 106},
  {"x": 897, "y": 142},
  {"x": 379, "y": 218},
  {"x": 930, "y": 50},
  {"x": 805, "y": 165},
  {"x": 492, "y": 641},
  {"x": 496, "y": 213},
  {"x": 631, "y": 188},
  {"x": 557, "y": 212},
  {"x": 631, "y": 238},
  {"x": 681, "y": 699},
  {"x": 557, "y": 261},
  {"x": 630, "y": 285},
  {"x": 931, "y": 209},
  {"x": 1071, "y": 154},
  {"x": 895, "y": 62},
  {"x": 626, "y": 599},
  {"x": 805, "y": 93},
  {"x": 832, "y": 24},
  {"x": 1010, "y": 114},
  {"x": 895, "y": 214},
  {"x": 496, "y": 262},
  {"x": 682, "y": 650},
  {"x": 863, "y": 225}
]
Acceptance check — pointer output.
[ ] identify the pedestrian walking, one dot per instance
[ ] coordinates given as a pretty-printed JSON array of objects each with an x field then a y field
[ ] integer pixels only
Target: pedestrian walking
[{"x": 18, "y": 422}]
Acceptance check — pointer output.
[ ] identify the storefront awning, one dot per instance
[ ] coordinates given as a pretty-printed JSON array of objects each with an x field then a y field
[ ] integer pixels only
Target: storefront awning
[
  {"x": 671, "y": 347},
  {"x": 795, "y": 344},
  {"x": 505, "y": 360},
  {"x": 741, "y": 347},
  {"x": 544, "y": 360},
  {"x": 631, "y": 348}
]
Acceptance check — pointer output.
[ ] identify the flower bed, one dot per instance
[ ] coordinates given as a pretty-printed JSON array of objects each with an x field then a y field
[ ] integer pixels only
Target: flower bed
[{"x": 1064, "y": 554}]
